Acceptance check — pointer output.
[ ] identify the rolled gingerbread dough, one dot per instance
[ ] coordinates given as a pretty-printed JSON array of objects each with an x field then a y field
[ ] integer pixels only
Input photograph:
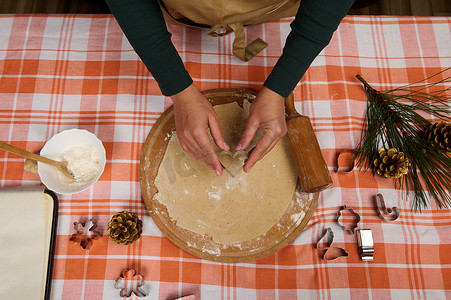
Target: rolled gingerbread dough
[{"x": 229, "y": 209}]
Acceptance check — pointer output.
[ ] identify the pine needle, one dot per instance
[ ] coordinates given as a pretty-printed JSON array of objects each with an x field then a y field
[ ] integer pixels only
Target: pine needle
[{"x": 392, "y": 121}]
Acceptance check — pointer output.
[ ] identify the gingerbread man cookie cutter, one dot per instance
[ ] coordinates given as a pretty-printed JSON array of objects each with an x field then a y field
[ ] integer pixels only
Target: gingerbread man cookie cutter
[{"x": 130, "y": 283}]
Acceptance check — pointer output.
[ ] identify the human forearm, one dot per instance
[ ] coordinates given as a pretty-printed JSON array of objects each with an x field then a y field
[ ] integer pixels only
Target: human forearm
[
  {"x": 143, "y": 24},
  {"x": 311, "y": 31}
]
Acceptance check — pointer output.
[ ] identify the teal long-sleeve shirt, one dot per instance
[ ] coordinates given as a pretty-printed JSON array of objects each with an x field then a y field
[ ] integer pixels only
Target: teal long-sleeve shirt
[{"x": 144, "y": 26}]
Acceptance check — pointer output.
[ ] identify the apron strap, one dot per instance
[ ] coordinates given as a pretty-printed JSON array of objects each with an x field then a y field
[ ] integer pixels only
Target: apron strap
[{"x": 240, "y": 50}]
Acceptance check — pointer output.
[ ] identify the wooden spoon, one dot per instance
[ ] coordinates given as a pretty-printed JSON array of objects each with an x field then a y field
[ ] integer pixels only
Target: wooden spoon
[{"x": 60, "y": 165}]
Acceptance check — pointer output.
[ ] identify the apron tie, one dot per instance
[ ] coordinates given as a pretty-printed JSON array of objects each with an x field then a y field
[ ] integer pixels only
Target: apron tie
[{"x": 240, "y": 50}]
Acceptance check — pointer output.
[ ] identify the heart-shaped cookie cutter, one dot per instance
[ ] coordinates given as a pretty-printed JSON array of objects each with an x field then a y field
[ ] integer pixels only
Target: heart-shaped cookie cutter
[{"x": 233, "y": 162}]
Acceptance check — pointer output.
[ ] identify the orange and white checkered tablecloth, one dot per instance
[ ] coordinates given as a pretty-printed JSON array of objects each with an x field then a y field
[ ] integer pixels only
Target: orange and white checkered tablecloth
[{"x": 78, "y": 71}]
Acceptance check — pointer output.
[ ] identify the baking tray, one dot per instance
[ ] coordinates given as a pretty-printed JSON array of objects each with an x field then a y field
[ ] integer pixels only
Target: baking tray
[
  {"x": 48, "y": 281},
  {"x": 283, "y": 232},
  {"x": 50, "y": 222}
]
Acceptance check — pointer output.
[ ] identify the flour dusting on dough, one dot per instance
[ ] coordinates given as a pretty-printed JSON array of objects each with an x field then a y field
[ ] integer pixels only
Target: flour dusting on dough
[{"x": 231, "y": 210}]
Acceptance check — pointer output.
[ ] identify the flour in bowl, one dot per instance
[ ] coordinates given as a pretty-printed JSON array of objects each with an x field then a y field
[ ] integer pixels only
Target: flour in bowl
[{"x": 83, "y": 162}]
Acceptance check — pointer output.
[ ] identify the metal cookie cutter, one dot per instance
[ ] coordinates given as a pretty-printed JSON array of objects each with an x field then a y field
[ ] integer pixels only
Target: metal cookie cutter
[
  {"x": 343, "y": 157},
  {"x": 130, "y": 283},
  {"x": 349, "y": 228},
  {"x": 331, "y": 252},
  {"x": 233, "y": 162},
  {"x": 384, "y": 213},
  {"x": 365, "y": 243}
]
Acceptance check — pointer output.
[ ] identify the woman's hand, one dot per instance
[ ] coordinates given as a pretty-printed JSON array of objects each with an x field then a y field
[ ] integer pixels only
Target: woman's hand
[
  {"x": 193, "y": 116},
  {"x": 267, "y": 113}
]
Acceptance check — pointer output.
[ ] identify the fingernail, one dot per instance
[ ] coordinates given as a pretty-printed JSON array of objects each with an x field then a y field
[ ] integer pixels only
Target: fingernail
[
  {"x": 218, "y": 173},
  {"x": 225, "y": 146},
  {"x": 238, "y": 147}
]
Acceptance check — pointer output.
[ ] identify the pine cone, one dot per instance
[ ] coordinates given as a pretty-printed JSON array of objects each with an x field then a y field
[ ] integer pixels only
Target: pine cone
[
  {"x": 125, "y": 227},
  {"x": 391, "y": 163},
  {"x": 439, "y": 134}
]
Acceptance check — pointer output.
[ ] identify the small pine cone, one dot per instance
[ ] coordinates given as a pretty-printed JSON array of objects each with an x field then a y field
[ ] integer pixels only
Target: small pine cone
[
  {"x": 125, "y": 227},
  {"x": 439, "y": 134},
  {"x": 391, "y": 163}
]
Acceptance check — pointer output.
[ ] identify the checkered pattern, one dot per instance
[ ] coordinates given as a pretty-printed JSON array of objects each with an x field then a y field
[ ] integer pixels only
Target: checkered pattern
[{"x": 61, "y": 72}]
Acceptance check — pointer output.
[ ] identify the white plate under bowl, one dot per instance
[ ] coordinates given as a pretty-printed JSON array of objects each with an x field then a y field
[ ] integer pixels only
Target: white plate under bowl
[{"x": 56, "y": 146}]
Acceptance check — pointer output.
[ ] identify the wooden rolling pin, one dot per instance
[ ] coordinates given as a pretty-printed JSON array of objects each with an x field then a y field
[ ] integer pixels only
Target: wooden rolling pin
[{"x": 308, "y": 159}]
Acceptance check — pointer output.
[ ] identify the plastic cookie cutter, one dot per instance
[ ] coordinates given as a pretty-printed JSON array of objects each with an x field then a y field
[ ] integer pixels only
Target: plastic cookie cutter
[
  {"x": 345, "y": 157},
  {"x": 365, "y": 243},
  {"x": 384, "y": 213},
  {"x": 331, "y": 252},
  {"x": 129, "y": 282},
  {"x": 233, "y": 162},
  {"x": 348, "y": 226}
]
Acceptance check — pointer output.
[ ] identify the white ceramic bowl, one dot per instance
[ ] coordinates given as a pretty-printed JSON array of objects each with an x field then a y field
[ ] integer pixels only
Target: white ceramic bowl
[{"x": 53, "y": 149}]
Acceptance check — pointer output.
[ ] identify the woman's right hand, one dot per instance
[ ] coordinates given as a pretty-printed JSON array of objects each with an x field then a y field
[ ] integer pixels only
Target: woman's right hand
[{"x": 193, "y": 116}]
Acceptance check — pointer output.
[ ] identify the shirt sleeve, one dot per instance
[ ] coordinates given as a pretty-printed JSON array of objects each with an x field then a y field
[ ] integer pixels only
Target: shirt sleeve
[
  {"x": 311, "y": 31},
  {"x": 143, "y": 24}
]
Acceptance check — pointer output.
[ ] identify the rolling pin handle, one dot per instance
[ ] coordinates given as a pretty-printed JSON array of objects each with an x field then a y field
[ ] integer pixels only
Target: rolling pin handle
[
  {"x": 290, "y": 108},
  {"x": 304, "y": 147}
]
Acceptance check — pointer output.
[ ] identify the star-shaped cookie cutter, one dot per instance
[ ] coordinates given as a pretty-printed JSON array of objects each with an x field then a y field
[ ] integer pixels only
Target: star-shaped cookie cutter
[{"x": 85, "y": 233}]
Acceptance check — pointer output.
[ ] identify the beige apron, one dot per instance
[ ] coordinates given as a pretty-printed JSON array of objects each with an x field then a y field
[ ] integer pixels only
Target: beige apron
[{"x": 223, "y": 17}]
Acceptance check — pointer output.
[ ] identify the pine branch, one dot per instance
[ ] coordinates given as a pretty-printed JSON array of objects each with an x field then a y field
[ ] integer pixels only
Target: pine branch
[{"x": 392, "y": 121}]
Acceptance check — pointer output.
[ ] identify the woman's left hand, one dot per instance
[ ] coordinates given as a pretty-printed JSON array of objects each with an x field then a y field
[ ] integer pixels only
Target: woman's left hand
[{"x": 267, "y": 113}]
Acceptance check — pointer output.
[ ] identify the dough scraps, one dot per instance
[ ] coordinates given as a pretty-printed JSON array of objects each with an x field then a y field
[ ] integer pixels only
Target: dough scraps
[{"x": 229, "y": 209}]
